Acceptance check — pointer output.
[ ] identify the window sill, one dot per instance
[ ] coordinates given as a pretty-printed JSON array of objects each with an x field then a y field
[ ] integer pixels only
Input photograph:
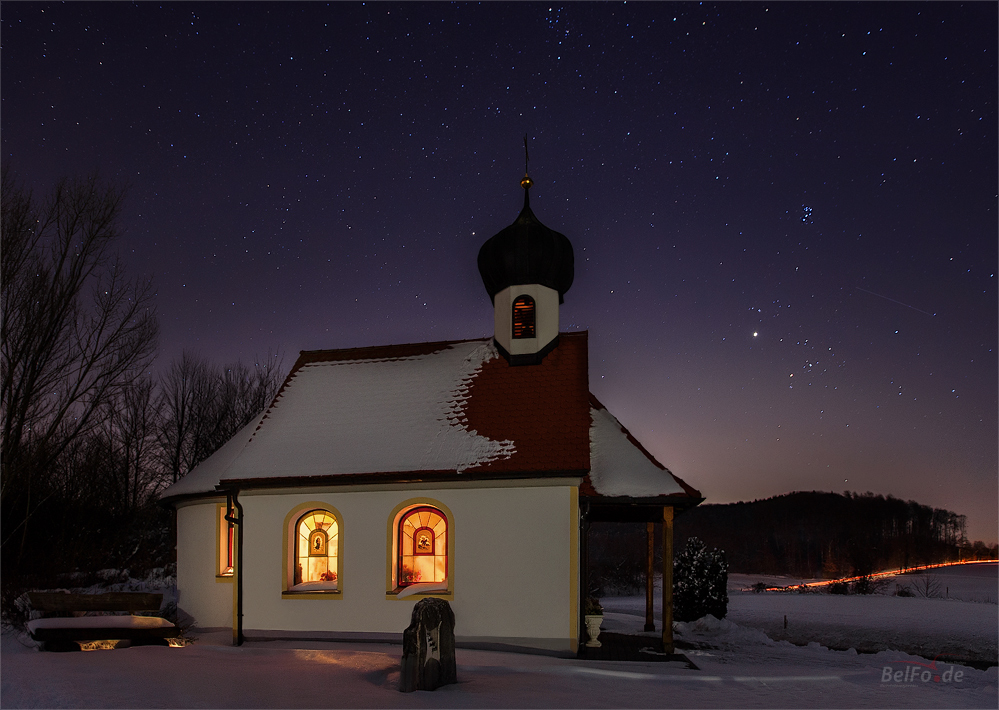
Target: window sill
[
  {"x": 440, "y": 593},
  {"x": 313, "y": 594},
  {"x": 225, "y": 578}
]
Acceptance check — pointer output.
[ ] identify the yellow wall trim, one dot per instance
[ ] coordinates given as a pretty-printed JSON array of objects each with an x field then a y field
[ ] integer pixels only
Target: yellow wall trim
[
  {"x": 574, "y": 568},
  {"x": 220, "y": 509}
]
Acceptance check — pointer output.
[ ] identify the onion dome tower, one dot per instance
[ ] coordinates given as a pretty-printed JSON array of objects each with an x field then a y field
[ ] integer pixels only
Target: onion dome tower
[{"x": 526, "y": 269}]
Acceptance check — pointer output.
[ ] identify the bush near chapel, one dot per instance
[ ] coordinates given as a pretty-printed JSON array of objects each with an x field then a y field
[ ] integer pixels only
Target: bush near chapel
[{"x": 700, "y": 580}]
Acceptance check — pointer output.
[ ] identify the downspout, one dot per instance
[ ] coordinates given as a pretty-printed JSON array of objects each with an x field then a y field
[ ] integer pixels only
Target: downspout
[{"x": 232, "y": 500}]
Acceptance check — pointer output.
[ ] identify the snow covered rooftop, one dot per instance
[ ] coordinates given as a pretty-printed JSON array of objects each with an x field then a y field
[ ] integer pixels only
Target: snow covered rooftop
[
  {"x": 620, "y": 466},
  {"x": 451, "y": 409}
]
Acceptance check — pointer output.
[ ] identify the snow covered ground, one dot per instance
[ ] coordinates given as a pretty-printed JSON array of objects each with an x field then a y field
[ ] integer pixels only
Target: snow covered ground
[
  {"x": 961, "y": 626},
  {"x": 739, "y": 666}
]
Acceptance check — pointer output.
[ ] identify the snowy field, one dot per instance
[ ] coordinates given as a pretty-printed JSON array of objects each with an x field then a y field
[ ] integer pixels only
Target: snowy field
[
  {"x": 962, "y": 623},
  {"x": 739, "y": 665}
]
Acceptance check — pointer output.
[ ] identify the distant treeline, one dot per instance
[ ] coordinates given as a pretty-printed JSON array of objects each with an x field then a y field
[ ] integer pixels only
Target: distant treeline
[
  {"x": 814, "y": 534},
  {"x": 808, "y": 535}
]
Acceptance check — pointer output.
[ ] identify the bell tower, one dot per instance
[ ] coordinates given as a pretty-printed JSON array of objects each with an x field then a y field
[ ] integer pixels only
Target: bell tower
[{"x": 526, "y": 269}]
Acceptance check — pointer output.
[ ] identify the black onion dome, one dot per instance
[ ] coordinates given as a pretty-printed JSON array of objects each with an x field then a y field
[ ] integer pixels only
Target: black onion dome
[{"x": 526, "y": 252}]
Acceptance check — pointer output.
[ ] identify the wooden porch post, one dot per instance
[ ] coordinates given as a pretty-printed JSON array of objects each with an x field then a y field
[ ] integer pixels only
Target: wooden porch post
[
  {"x": 667, "y": 579},
  {"x": 584, "y": 572},
  {"x": 650, "y": 624}
]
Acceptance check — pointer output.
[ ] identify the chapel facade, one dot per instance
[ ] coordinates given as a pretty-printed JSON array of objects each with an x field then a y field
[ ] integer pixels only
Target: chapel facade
[{"x": 466, "y": 470}]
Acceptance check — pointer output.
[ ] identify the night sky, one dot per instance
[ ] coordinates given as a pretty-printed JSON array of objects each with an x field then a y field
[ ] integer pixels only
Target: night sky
[{"x": 783, "y": 216}]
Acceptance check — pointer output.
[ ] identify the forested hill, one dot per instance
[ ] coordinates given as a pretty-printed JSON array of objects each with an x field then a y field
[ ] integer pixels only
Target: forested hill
[{"x": 818, "y": 534}]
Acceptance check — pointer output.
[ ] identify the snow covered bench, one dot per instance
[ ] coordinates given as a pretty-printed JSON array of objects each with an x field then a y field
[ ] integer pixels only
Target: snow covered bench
[{"x": 61, "y": 633}]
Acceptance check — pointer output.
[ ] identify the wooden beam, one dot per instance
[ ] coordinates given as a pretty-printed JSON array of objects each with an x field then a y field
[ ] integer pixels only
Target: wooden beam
[
  {"x": 667, "y": 579},
  {"x": 584, "y": 574},
  {"x": 650, "y": 624}
]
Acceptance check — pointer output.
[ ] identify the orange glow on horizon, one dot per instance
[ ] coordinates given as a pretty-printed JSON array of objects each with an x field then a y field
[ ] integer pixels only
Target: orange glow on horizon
[{"x": 878, "y": 575}]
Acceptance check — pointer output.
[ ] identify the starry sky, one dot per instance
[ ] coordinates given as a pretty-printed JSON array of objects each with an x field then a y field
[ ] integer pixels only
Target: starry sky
[{"x": 783, "y": 215}]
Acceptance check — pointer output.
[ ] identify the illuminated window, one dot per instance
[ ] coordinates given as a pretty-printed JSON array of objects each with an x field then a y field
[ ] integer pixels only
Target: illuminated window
[
  {"x": 422, "y": 547},
  {"x": 316, "y": 550},
  {"x": 523, "y": 317},
  {"x": 225, "y": 544}
]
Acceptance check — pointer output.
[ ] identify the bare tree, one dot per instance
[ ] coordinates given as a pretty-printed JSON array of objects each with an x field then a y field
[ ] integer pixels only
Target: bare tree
[
  {"x": 184, "y": 395},
  {"x": 927, "y": 586},
  {"x": 203, "y": 406},
  {"x": 127, "y": 473},
  {"x": 75, "y": 331}
]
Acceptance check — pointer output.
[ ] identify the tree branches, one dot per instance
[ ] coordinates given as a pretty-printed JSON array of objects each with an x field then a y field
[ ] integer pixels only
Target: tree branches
[
  {"x": 203, "y": 406},
  {"x": 89, "y": 436},
  {"x": 75, "y": 330}
]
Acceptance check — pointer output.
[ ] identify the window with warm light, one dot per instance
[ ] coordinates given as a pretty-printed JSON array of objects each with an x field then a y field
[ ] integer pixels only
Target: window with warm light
[
  {"x": 317, "y": 546},
  {"x": 523, "y": 317},
  {"x": 225, "y": 544},
  {"x": 422, "y": 547}
]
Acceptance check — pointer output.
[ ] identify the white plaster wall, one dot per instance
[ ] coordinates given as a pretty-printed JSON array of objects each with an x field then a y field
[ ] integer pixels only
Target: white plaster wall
[
  {"x": 199, "y": 594},
  {"x": 514, "y": 570},
  {"x": 545, "y": 323}
]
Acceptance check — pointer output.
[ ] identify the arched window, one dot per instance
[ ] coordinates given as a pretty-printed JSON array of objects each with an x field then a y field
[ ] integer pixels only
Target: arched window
[
  {"x": 523, "y": 317},
  {"x": 422, "y": 547},
  {"x": 317, "y": 546},
  {"x": 226, "y": 538}
]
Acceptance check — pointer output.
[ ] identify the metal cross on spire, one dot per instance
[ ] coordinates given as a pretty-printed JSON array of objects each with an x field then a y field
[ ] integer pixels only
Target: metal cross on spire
[{"x": 526, "y": 182}]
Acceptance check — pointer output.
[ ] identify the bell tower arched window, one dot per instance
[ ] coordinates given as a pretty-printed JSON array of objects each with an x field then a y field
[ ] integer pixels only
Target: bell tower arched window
[{"x": 523, "y": 317}]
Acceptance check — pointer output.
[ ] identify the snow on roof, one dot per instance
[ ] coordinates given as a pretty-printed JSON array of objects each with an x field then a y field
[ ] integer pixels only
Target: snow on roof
[
  {"x": 442, "y": 407},
  {"x": 620, "y": 466},
  {"x": 378, "y": 414},
  {"x": 209, "y": 472}
]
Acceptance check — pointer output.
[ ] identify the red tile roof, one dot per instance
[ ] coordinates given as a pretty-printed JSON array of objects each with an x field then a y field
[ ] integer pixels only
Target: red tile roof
[
  {"x": 433, "y": 410},
  {"x": 544, "y": 409}
]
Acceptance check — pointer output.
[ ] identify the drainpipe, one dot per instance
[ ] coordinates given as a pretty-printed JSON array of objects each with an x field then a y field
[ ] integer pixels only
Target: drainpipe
[{"x": 232, "y": 501}]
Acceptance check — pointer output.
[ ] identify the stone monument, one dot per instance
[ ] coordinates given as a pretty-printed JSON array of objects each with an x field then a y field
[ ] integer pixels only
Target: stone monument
[{"x": 428, "y": 660}]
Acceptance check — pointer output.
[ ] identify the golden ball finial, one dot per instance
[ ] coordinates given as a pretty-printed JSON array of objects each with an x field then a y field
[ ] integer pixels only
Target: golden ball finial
[{"x": 526, "y": 182}]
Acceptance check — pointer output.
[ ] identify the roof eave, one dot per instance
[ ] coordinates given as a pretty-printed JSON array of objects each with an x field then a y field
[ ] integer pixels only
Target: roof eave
[
  {"x": 628, "y": 509},
  {"x": 388, "y": 478},
  {"x": 687, "y": 488}
]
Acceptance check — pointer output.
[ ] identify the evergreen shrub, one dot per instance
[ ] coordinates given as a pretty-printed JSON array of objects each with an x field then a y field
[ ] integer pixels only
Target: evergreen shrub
[{"x": 700, "y": 581}]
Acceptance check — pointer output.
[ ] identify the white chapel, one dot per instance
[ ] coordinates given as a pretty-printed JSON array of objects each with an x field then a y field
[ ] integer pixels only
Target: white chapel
[{"x": 467, "y": 470}]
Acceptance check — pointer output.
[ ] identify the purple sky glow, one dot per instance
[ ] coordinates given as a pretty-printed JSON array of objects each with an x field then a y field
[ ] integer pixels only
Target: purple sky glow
[{"x": 783, "y": 215}]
